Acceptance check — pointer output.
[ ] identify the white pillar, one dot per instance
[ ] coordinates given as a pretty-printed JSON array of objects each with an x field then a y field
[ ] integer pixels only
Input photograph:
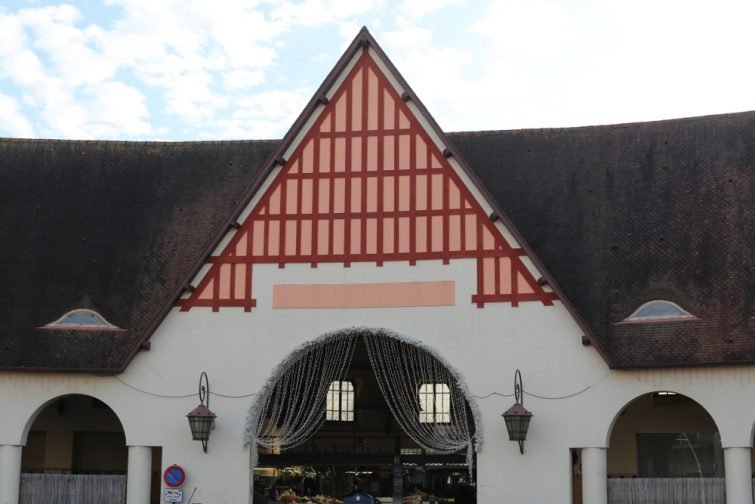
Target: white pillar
[
  {"x": 139, "y": 474},
  {"x": 594, "y": 476},
  {"x": 10, "y": 473},
  {"x": 738, "y": 470}
]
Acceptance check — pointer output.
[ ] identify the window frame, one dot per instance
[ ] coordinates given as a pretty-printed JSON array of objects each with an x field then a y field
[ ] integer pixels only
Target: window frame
[
  {"x": 340, "y": 412},
  {"x": 440, "y": 411}
]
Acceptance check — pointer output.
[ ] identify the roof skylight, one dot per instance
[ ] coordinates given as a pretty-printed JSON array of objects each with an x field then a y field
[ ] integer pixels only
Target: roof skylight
[
  {"x": 81, "y": 319},
  {"x": 659, "y": 310}
]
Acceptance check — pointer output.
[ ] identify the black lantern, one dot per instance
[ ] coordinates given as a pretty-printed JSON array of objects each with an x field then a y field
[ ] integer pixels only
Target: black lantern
[
  {"x": 516, "y": 417},
  {"x": 201, "y": 419}
]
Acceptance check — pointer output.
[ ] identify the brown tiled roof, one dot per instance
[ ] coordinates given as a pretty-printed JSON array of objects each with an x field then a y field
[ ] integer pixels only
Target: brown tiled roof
[
  {"x": 624, "y": 214},
  {"x": 618, "y": 214},
  {"x": 110, "y": 226}
]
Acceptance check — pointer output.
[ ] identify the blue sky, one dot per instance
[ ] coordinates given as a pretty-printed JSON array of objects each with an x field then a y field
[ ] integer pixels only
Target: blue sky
[{"x": 238, "y": 69}]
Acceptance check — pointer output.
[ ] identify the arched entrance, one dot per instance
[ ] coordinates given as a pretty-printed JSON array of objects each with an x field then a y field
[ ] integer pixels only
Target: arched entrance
[
  {"x": 367, "y": 405},
  {"x": 667, "y": 448},
  {"x": 75, "y": 452}
]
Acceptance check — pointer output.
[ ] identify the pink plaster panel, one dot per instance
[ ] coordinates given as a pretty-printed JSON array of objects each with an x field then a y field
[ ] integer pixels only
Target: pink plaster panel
[
  {"x": 372, "y": 153},
  {"x": 240, "y": 281},
  {"x": 241, "y": 244},
  {"x": 404, "y": 153},
  {"x": 306, "y": 237},
  {"x": 372, "y": 101},
  {"x": 404, "y": 242},
  {"x": 403, "y": 121},
  {"x": 339, "y": 151},
  {"x": 470, "y": 230},
  {"x": 292, "y": 196},
  {"x": 324, "y": 164},
  {"x": 454, "y": 233},
  {"x": 420, "y": 195},
  {"x": 372, "y": 194},
  {"x": 371, "y": 236},
  {"x": 488, "y": 272},
  {"x": 488, "y": 240},
  {"x": 274, "y": 207},
  {"x": 290, "y": 238},
  {"x": 404, "y": 186},
  {"x": 339, "y": 195},
  {"x": 323, "y": 228},
  {"x": 522, "y": 285},
  {"x": 421, "y": 234},
  {"x": 306, "y": 196},
  {"x": 294, "y": 166},
  {"x": 388, "y": 194},
  {"x": 273, "y": 238},
  {"x": 435, "y": 162},
  {"x": 224, "y": 288},
  {"x": 323, "y": 196},
  {"x": 505, "y": 275},
  {"x": 356, "y": 196},
  {"x": 437, "y": 195},
  {"x": 389, "y": 159},
  {"x": 339, "y": 236},
  {"x": 209, "y": 289},
  {"x": 341, "y": 112},
  {"x": 356, "y": 154},
  {"x": 356, "y": 236},
  {"x": 389, "y": 107},
  {"x": 454, "y": 197},
  {"x": 325, "y": 126},
  {"x": 420, "y": 153},
  {"x": 376, "y": 295},
  {"x": 356, "y": 102},
  {"x": 388, "y": 235},
  {"x": 437, "y": 232},
  {"x": 258, "y": 238},
  {"x": 308, "y": 157}
]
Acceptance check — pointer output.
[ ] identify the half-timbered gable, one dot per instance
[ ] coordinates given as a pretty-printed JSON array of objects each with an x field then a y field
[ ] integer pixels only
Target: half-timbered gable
[{"x": 368, "y": 181}]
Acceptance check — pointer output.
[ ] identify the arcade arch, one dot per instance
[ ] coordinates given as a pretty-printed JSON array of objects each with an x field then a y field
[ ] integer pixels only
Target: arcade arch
[
  {"x": 75, "y": 450},
  {"x": 414, "y": 426}
]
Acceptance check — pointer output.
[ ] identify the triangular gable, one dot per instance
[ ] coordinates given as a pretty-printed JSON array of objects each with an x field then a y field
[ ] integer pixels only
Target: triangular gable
[{"x": 366, "y": 183}]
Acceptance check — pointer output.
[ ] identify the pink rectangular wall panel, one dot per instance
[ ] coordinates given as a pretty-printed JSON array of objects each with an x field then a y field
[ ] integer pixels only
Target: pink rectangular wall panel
[
  {"x": 378, "y": 295},
  {"x": 356, "y": 102}
]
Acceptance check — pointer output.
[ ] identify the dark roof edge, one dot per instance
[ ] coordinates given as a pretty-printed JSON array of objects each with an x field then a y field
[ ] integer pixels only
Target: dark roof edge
[
  {"x": 685, "y": 365},
  {"x": 262, "y": 175},
  {"x": 488, "y": 197},
  {"x": 67, "y": 370},
  {"x": 619, "y": 125}
]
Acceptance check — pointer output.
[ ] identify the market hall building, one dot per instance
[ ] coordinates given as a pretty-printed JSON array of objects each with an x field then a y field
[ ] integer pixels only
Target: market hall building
[{"x": 360, "y": 296}]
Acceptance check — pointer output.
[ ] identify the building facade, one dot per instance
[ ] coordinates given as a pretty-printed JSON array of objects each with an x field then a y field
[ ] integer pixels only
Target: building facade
[{"x": 612, "y": 266}]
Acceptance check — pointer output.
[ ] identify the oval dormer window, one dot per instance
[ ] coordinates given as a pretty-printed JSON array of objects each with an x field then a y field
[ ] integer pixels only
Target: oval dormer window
[
  {"x": 659, "y": 310},
  {"x": 82, "y": 319}
]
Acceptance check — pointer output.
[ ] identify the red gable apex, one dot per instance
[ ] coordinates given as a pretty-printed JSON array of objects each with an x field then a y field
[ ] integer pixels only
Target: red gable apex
[{"x": 366, "y": 183}]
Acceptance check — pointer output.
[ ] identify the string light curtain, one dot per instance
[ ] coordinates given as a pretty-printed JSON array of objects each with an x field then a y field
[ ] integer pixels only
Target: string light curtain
[
  {"x": 293, "y": 401},
  {"x": 402, "y": 368},
  {"x": 290, "y": 408}
]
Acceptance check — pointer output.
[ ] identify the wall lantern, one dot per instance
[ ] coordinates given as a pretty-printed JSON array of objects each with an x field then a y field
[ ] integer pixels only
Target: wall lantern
[
  {"x": 517, "y": 418},
  {"x": 201, "y": 419}
]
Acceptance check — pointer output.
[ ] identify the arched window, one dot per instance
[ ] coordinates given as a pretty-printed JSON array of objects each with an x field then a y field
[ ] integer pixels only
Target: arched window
[
  {"x": 81, "y": 319},
  {"x": 340, "y": 402},
  {"x": 659, "y": 310},
  {"x": 434, "y": 403}
]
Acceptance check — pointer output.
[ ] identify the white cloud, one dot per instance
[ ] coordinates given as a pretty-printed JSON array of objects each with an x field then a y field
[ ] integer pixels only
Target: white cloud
[{"x": 12, "y": 121}]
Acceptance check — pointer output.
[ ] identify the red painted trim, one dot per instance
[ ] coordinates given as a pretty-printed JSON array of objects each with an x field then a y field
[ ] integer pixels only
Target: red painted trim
[{"x": 367, "y": 217}]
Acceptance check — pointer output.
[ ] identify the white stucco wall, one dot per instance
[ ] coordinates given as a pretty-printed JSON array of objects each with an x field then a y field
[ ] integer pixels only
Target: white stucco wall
[{"x": 239, "y": 350}]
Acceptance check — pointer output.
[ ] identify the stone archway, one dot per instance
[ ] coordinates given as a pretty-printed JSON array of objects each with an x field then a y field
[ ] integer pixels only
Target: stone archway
[{"x": 376, "y": 435}]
